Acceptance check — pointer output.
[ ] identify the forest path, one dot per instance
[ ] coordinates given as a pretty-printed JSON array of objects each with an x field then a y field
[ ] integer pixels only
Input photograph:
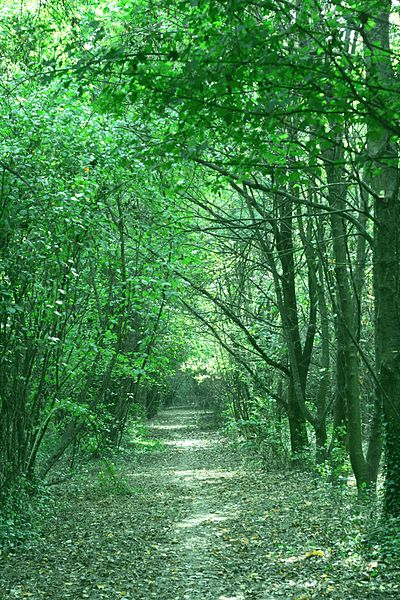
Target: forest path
[{"x": 193, "y": 523}]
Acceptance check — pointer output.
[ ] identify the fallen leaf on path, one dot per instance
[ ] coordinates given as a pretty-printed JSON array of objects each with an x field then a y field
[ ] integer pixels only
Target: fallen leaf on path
[{"x": 312, "y": 553}]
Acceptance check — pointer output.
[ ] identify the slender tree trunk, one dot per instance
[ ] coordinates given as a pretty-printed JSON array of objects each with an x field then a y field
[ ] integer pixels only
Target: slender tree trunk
[{"x": 348, "y": 390}]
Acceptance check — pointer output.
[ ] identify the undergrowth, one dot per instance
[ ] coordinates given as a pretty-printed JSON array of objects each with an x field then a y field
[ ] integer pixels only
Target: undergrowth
[
  {"x": 111, "y": 481},
  {"x": 26, "y": 505},
  {"x": 22, "y": 512}
]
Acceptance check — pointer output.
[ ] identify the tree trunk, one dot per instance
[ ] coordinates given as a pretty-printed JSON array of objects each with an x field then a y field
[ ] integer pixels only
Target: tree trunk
[{"x": 383, "y": 154}]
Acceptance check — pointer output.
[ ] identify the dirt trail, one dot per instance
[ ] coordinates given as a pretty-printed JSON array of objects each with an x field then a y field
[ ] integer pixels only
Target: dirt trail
[
  {"x": 198, "y": 525},
  {"x": 202, "y": 468}
]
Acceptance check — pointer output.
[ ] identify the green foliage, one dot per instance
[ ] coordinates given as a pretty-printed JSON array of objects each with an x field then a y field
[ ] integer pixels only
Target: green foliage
[{"x": 82, "y": 300}]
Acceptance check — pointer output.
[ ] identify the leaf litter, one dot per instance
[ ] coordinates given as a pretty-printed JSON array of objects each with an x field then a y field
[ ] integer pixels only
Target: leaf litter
[{"x": 197, "y": 521}]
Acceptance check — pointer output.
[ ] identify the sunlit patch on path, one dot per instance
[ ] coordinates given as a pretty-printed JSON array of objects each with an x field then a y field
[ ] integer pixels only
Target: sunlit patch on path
[
  {"x": 168, "y": 427},
  {"x": 201, "y": 519},
  {"x": 193, "y": 443},
  {"x": 203, "y": 474}
]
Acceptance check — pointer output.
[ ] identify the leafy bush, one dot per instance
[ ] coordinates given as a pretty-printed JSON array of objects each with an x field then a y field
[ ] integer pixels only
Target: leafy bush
[
  {"x": 112, "y": 482},
  {"x": 262, "y": 436}
]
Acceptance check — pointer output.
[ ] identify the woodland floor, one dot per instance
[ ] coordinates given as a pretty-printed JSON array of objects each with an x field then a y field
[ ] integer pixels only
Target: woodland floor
[{"x": 194, "y": 521}]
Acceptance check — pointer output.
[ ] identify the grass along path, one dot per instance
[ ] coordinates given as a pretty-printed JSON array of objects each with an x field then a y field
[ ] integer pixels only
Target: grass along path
[{"x": 193, "y": 522}]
